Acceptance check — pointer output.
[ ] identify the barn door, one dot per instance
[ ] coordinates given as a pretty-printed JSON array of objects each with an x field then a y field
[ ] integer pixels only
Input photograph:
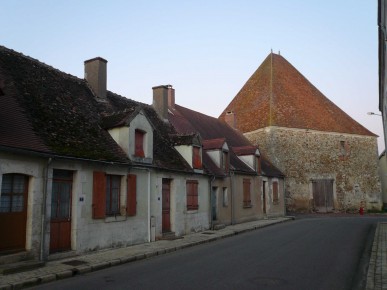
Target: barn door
[
  {"x": 166, "y": 208},
  {"x": 60, "y": 225},
  {"x": 323, "y": 195},
  {"x": 13, "y": 212}
]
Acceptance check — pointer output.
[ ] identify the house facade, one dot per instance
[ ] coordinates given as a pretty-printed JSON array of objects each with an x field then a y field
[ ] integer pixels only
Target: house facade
[
  {"x": 329, "y": 160},
  {"x": 83, "y": 169},
  {"x": 244, "y": 185}
]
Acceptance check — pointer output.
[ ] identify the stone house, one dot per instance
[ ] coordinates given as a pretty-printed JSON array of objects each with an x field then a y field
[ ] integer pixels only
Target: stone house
[
  {"x": 244, "y": 185},
  {"x": 329, "y": 160},
  {"x": 82, "y": 168}
]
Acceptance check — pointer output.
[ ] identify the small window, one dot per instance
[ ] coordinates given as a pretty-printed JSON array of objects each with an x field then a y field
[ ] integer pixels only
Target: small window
[
  {"x": 113, "y": 185},
  {"x": 275, "y": 192},
  {"x": 246, "y": 193},
  {"x": 197, "y": 158},
  {"x": 345, "y": 150},
  {"x": 192, "y": 194},
  {"x": 139, "y": 143},
  {"x": 13, "y": 193},
  {"x": 225, "y": 197}
]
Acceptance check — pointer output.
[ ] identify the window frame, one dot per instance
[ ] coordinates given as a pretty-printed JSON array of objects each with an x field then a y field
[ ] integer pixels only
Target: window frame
[
  {"x": 12, "y": 194},
  {"x": 192, "y": 194}
]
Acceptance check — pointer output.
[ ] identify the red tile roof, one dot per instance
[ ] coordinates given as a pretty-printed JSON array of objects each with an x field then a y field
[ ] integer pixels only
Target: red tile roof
[
  {"x": 213, "y": 143},
  {"x": 277, "y": 94}
]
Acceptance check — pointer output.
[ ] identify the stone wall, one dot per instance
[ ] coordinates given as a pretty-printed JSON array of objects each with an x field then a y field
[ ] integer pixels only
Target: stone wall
[{"x": 306, "y": 155}]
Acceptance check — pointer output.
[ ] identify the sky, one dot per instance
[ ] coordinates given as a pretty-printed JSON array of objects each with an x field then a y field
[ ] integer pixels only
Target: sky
[{"x": 206, "y": 49}]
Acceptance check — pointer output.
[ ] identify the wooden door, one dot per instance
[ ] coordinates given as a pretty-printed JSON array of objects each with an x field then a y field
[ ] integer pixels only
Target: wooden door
[
  {"x": 13, "y": 212},
  {"x": 166, "y": 205},
  {"x": 264, "y": 197},
  {"x": 323, "y": 195},
  {"x": 60, "y": 226},
  {"x": 214, "y": 203}
]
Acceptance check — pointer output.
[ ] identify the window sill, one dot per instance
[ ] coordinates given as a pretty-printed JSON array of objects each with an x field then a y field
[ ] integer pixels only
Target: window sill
[
  {"x": 248, "y": 206},
  {"x": 189, "y": 211},
  {"x": 117, "y": 218}
]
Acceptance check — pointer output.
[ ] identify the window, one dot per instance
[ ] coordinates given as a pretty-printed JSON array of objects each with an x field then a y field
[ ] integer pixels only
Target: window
[
  {"x": 225, "y": 197},
  {"x": 13, "y": 192},
  {"x": 246, "y": 193},
  {"x": 113, "y": 184},
  {"x": 192, "y": 194},
  {"x": 275, "y": 192},
  {"x": 197, "y": 158},
  {"x": 139, "y": 143},
  {"x": 225, "y": 162},
  {"x": 345, "y": 150},
  {"x": 106, "y": 195}
]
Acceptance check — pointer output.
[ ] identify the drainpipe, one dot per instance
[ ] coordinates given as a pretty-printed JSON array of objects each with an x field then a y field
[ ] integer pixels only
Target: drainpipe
[
  {"x": 232, "y": 197},
  {"x": 211, "y": 181},
  {"x": 42, "y": 256}
]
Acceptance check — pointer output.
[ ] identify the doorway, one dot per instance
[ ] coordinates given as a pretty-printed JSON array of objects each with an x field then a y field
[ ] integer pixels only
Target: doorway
[
  {"x": 13, "y": 212},
  {"x": 166, "y": 205},
  {"x": 60, "y": 224},
  {"x": 323, "y": 195},
  {"x": 214, "y": 203},
  {"x": 264, "y": 197}
]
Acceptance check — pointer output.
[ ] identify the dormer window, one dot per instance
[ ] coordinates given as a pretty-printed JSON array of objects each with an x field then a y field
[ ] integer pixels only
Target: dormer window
[
  {"x": 258, "y": 164},
  {"x": 197, "y": 157},
  {"x": 139, "y": 143}
]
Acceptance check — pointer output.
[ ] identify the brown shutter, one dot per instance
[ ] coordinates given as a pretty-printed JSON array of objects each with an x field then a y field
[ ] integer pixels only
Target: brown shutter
[
  {"x": 131, "y": 199},
  {"x": 197, "y": 161},
  {"x": 192, "y": 194},
  {"x": 99, "y": 195},
  {"x": 139, "y": 143}
]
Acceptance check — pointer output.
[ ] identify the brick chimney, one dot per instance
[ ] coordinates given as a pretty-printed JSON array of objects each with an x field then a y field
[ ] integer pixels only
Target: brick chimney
[
  {"x": 171, "y": 97},
  {"x": 95, "y": 75},
  {"x": 230, "y": 119},
  {"x": 160, "y": 100}
]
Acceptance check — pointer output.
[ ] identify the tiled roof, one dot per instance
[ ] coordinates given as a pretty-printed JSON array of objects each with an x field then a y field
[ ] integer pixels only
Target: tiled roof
[
  {"x": 47, "y": 111},
  {"x": 245, "y": 150},
  {"x": 277, "y": 94},
  {"x": 187, "y": 121},
  {"x": 210, "y": 144}
]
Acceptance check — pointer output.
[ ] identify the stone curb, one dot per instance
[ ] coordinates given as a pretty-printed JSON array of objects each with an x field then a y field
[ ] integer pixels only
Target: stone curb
[{"x": 96, "y": 266}]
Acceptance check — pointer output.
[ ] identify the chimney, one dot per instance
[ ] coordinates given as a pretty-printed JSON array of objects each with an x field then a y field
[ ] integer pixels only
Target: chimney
[
  {"x": 171, "y": 97},
  {"x": 160, "y": 100},
  {"x": 230, "y": 119},
  {"x": 95, "y": 75}
]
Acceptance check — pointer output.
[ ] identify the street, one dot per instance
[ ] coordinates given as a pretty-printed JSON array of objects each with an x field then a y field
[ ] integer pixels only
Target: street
[{"x": 308, "y": 253}]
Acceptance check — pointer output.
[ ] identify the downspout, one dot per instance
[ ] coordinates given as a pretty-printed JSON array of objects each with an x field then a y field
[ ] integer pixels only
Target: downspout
[
  {"x": 211, "y": 213},
  {"x": 42, "y": 257},
  {"x": 232, "y": 197}
]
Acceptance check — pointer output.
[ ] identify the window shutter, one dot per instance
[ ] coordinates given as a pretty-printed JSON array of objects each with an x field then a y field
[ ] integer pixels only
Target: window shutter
[
  {"x": 99, "y": 195},
  {"x": 131, "y": 199},
  {"x": 192, "y": 194},
  {"x": 139, "y": 143},
  {"x": 197, "y": 161}
]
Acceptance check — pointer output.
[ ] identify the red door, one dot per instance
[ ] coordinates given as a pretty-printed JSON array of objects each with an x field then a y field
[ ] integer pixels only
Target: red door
[
  {"x": 60, "y": 226},
  {"x": 13, "y": 212},
  {"x": 166, "y": 210}
]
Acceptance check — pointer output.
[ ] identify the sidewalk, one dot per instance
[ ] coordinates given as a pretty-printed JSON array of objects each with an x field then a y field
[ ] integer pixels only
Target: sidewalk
[
  {"x": 377, "y": 269},
  {"x": 65, "y": 268}
]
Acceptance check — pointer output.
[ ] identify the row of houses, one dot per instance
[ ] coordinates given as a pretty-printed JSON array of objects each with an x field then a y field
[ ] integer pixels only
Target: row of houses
[{"x": 82, "y": 168}]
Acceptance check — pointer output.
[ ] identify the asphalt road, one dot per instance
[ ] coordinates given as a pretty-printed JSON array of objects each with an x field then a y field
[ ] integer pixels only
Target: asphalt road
[{"x": 308, "y": 253}]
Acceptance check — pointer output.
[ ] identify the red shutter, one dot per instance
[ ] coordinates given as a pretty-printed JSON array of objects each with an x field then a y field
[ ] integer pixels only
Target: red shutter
[
  {"x": 192, "y": 194},
  {"x": 259, "y": 165},
  {"x": 139, "y": 143},
  {"x": 197, "y": 160},
  {"x": 131, "y": 198},
  {"x": 99, "y": 195}
]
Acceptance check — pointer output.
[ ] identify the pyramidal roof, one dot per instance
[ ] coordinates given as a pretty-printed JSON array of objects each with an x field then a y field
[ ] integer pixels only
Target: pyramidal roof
[{"x": 277, "y": 94}]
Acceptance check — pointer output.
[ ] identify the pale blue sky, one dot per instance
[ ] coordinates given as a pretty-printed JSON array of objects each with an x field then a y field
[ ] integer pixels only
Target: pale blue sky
[{"x": 207, "y": 49}]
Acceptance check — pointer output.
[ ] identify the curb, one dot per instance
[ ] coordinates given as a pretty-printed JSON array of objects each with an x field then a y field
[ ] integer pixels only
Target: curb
[{"x": 82, "y": 269}]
